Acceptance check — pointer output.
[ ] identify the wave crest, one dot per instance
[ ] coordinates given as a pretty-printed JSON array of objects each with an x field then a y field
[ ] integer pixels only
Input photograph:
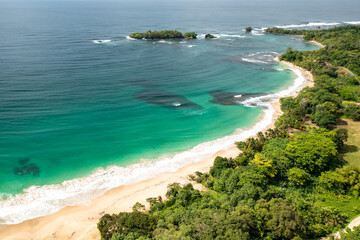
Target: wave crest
[
  {"x": 353, "y": 22},
  {"x": 101, "y": 41},
  {"x": 311, "y": 24}
]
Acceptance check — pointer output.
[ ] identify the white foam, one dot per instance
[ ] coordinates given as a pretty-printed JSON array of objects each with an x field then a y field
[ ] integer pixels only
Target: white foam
[
  {"x": 311, "y": 24},
  {"x": 353, "y": 22},
  {"x": 258, "y": 31},
  {"x": 253, "y": 60},
  {"x": 229, "y": 35},
  {"x": 130, "y": 38},
  {"x": 176, "y": 104},
  {"x": 265, "y": 53},
  {"x": 164, "y": 41},
  {"x": 38, "y": 201},
  {"x": 238, "y": 96},
  {"x": 202, "y": 36},
  {"x": 101, "y": 41}
]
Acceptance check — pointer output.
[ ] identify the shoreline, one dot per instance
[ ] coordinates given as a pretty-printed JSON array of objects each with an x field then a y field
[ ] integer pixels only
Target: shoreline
[
  {"x": 317, "y": 43},
  {"x": 305, "y": 73},
  {"x": 79, "y": 222}
]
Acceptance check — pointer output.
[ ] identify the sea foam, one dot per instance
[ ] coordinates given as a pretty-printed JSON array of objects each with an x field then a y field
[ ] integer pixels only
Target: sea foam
[
  {"x": 258, "y": 31},
  {"x": 253, "y": 61},
  {"x": 221, "y": 35},
  {"x": 101, "y": 41},
  {"x": 38, "y": 201},
  {"x": 311, "y": 24},
  {"x": 229, "y": 35},
  {"x": 264, "y": 101},
  {"x": 353, "y": 22}
]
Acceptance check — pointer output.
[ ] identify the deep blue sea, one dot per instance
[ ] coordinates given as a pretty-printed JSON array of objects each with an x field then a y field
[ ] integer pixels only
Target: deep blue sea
[{"x": 83, "y": 103}]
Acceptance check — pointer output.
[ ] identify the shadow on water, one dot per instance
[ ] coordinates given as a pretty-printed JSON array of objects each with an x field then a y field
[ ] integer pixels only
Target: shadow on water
[
  {"x": 166, "y": 99},
  {"x": 231, "y": 98}
]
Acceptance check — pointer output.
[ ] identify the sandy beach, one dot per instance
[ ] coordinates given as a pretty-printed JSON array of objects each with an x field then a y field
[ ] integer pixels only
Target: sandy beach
[
  {"x": 306, "y": 74},
  {"x": 317, "y": 43},
  {"x": 80, "y": 222}
]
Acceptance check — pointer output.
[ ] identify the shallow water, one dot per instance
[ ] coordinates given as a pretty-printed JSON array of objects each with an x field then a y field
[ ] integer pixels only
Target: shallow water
[{"x": 77, "y": 94}]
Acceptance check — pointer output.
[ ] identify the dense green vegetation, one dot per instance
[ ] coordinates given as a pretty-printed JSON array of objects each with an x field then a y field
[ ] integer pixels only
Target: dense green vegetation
[
  {"x": 351, "y": 235},
  {"x": 166, "y": 34},
  {"x": 342, "y": 49},
  {"x": 190, "y": 35},
  {"x": 290, "y": 182},
  {"x": 209, "y": 36}
]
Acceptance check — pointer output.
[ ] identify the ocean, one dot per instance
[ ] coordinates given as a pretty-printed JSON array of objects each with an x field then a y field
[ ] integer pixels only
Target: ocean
[{"x": 84, "y": 108}]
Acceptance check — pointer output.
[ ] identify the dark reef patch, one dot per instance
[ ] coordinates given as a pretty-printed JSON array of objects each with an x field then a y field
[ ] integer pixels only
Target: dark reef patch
[
  {"x": 24, "y": 161},
  {"x": 231, "y": 98},
  {"x": 25, "y": 169},
  {"x": 166, "y": 99}
]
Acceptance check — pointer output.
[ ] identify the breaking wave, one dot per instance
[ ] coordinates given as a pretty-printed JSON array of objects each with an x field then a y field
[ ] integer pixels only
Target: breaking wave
[
  {"x": 311, "y": 24},
  {"x": 353, "y": 22},
  {"x": 101, "y": 41}
]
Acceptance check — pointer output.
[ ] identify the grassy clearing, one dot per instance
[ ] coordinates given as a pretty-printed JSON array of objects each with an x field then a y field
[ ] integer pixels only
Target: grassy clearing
[
  {"x": 351, "y": 152},
  {"x": 346, "y": 204}
]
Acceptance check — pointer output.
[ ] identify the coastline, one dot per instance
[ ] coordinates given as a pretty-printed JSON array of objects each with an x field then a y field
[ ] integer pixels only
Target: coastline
[
  {"x": 305, "y": 73},
  {"x": 317, "y": 43},
  {"x": 79, "y": 222}
]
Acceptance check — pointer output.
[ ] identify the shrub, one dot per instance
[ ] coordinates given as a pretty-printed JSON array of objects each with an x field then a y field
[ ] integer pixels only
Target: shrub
[{"x": 190, "y": 35}]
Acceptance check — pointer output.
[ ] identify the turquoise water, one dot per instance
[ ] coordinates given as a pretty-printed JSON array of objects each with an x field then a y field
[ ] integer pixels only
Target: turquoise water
[{"x": 70, "y": 104}]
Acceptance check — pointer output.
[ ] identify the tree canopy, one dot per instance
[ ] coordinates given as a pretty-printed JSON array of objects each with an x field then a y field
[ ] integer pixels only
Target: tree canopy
[{"x": 165, "y": 34}]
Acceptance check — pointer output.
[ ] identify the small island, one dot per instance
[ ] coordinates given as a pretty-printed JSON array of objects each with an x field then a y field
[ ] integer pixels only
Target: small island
[
  {"x": 165, "y": 34},
  {"x": 209, "y": 36},
  {"x": 248, "y": 29}
]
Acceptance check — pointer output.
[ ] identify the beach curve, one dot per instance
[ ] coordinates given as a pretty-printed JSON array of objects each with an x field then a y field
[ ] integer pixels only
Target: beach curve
[{"x": 83, "y": 219}]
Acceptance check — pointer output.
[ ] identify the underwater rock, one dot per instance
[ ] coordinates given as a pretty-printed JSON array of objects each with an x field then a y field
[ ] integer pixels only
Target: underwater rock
[
  {"x": 27, "y": 169},
  {"x": 24, "y": 161},
  {"x": 166, "y": 99}
]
